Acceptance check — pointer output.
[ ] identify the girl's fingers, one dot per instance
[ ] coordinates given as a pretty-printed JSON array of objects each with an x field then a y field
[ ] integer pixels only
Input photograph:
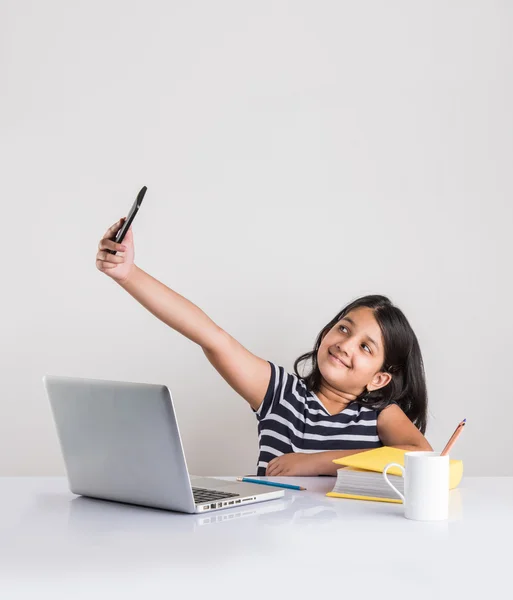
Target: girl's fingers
[
  {"x": 111, "y": 258},
  {"x": 272, "y": 467},
  {"x": 114, "y": 228},
  {"x": 103, "y": 265},
  {"x": 106, "y": 244}
]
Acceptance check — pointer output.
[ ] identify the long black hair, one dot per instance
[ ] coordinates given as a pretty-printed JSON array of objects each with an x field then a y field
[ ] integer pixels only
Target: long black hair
[{"x": 403, "y": 360}]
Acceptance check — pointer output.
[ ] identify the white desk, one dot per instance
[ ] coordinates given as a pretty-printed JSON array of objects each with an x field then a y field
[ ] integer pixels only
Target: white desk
[{"x": 57, "y": 545}]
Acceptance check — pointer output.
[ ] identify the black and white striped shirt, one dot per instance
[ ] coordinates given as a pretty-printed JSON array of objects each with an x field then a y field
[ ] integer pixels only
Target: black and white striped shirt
[{"x": 293, "y": 419}]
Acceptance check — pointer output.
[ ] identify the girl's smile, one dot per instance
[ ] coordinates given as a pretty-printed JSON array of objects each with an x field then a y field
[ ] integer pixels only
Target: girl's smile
[{"x": 337, "y": 360}]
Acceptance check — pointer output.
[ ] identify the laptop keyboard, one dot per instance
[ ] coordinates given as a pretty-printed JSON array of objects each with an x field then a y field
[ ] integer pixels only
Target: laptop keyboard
[{"x": 204, "y": 495}]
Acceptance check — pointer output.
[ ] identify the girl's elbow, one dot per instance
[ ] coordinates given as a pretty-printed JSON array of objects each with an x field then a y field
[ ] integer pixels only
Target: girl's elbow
[{"x": 426, "y": 446}]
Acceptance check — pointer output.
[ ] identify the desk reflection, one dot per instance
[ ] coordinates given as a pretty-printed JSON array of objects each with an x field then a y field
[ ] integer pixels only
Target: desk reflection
[{"x": 91, "y": 515}]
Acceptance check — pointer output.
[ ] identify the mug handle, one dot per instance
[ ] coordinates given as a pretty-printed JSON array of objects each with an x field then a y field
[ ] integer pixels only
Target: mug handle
[{"x": 386, "y": 478}]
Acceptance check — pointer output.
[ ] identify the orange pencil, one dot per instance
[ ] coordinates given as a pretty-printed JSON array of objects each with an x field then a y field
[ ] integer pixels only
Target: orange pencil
[{"x": 454, "y": 437}]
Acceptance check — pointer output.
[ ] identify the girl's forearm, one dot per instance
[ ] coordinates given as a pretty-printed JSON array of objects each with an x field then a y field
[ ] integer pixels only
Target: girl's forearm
[{"x": 171, "y": 308}]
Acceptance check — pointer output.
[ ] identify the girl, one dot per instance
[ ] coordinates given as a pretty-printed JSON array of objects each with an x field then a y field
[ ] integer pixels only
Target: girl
[{"x": 366, "y": 388}]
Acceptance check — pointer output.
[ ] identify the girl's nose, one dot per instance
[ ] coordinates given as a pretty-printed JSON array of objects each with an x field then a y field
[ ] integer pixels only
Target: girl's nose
[{"x": 345, "y": 350}]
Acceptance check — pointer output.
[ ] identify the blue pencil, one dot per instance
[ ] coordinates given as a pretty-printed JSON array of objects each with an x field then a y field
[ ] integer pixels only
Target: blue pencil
[{"x": 264, "y": 482}]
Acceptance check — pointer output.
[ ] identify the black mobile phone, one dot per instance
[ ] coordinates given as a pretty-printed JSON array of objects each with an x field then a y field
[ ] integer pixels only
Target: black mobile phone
[{"x": 120, "y": 235}]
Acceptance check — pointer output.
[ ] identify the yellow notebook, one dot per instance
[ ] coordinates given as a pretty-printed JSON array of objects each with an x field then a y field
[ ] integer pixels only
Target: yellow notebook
[{"x": 362, "y": 475}]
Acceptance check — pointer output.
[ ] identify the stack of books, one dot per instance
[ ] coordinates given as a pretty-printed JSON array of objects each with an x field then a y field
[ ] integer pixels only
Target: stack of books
[{"x": 361, "y": 475}]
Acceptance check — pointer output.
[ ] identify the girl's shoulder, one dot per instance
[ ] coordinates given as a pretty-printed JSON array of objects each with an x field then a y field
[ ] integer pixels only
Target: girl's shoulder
[{"x": 284, "y": 387}]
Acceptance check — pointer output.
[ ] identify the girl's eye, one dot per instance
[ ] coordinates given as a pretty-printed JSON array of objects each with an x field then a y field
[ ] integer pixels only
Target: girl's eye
[{"x": 369, "y": 350}]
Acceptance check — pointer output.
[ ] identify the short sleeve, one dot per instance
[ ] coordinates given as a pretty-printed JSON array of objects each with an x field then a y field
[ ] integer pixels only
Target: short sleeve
[{"x": 274, "y": 391}]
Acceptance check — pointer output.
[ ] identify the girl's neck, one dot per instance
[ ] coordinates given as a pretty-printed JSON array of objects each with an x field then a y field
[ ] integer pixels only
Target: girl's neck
[{"x": 334, "y": 401}]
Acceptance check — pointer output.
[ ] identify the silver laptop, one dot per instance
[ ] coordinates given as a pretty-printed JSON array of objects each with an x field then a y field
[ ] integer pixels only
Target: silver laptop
[{"x": 120, "y": 441}]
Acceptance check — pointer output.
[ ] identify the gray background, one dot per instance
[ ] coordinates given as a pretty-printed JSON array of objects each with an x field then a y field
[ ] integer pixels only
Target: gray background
[{"x": 297, "y": 155}]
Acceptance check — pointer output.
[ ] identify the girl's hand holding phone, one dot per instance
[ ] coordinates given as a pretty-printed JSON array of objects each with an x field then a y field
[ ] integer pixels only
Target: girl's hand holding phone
[{"x": 117, "y": 266}]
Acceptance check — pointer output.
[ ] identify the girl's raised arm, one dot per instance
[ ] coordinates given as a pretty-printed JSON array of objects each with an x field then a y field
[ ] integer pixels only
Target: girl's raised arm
[{"x": 246, "y": 373}]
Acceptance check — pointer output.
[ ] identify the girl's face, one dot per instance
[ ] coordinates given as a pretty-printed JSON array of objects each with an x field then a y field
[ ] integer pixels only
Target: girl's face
[{"x": 357, "y": 342}]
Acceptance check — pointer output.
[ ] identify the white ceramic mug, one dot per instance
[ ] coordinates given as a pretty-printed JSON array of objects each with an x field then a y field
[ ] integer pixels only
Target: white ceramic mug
[{"x": 426, "y": 485}]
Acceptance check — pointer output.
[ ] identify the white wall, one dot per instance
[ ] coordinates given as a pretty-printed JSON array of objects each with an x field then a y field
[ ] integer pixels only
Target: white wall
[{"x": 297, "y": 155}]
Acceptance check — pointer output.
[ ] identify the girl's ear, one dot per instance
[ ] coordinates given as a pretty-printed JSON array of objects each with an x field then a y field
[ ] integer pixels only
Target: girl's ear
[{"x": 379, "y": 381}]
